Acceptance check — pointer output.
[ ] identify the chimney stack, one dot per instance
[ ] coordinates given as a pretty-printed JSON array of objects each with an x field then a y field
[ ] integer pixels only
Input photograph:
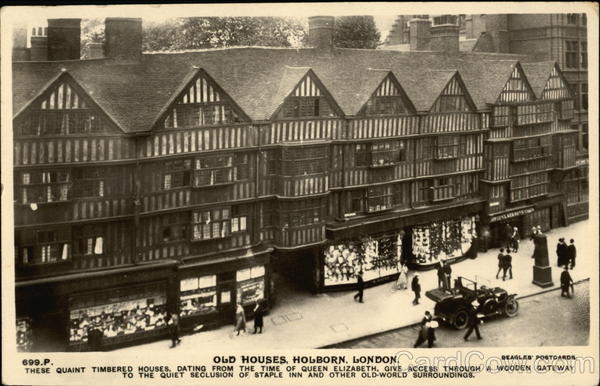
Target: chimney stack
[
  {"x": 64, "y": 37},
  {"x": 419, "y": 34},
  {"x": 497, "y": 27},
  {"x": 39, "y": 45},
  {"x": 320, "y": 33},
  {"x": 444, "y": 36},
  {"x": 123, "y": 37},
  {"x": 20, "y": 53}
]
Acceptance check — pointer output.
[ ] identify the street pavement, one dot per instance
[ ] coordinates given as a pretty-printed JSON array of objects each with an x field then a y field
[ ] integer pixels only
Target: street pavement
[
  {"x": 301, "y": 320},
  {"x": 546, "y": 319}
]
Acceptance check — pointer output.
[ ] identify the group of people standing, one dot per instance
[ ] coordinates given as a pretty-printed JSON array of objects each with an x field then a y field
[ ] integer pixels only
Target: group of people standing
[
  {"x": 566, "y": 254},
  {"x": 240, "y": 318}
]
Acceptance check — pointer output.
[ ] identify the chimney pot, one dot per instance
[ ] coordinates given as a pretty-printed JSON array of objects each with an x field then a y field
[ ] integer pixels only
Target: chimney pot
[
  {"x": 123, "y": 38},
  {"x": 64, "y": 37},
  {"x": 320, "y": 32}
]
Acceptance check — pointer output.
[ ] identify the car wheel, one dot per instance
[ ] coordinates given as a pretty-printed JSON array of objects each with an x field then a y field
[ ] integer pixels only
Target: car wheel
[
  {"x": 461, "y": 319},
  {"x": 511, "y": 307}
]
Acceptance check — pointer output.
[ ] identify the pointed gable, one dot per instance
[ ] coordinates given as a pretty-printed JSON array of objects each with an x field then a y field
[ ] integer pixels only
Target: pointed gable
[
  {"x": 308, "y": 99},
  {"x": 556, "y": 87},
  {"x": 453, "y": 98},
  {"x": 388, "y": 99},
  {"x": 517, "y": 88},
  {"x": 62, "y": 108},
  {"x": 201, "y": 102}
]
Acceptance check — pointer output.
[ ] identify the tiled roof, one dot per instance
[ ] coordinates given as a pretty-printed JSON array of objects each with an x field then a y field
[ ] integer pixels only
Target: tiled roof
[
  {"x": 537, "y": 74},
  {"x": 257, "y": 79}
]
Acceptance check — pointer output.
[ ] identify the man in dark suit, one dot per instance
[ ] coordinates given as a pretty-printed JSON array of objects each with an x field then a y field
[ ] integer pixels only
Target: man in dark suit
[
  {"x": 561, "y": 252},
  {"x": 416, "y": 288},
  {"x": 507, "y": 265},
  {"x": 500, "y": 261},
  {"x": 360, "y": 286},
  {"x": 447, "y": 275},
  {"x": 566, "y": 282},
  {"x": 571, "y": 253},
  {"x": 473, "y": 322},
  {"x": 440, "y": 274},
  {"x": 423, "y": 331}
]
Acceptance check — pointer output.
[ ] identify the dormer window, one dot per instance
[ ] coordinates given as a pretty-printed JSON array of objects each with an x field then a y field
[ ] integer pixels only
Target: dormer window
[{"x": 306, "y": 107}]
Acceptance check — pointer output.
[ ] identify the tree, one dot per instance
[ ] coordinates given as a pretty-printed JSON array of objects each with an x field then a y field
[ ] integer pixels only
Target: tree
[
  {"x": 213, "y": 32},
  {"x": 356, "y": 32}
]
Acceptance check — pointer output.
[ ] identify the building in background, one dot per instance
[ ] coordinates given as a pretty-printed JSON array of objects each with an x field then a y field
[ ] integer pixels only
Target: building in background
[
  {"x": 150, "y": 183},
  {"x": 561, "y": 38}
]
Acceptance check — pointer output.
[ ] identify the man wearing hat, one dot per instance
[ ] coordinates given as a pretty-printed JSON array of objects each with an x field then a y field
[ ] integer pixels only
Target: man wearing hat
[
  {"x": 571, "y": 254},
  {"x": 416, "y": 288},
  {"x": 561, "y": 252},
  {"x": 424, "y": 330},
  {"x": 473, "y": 321}
]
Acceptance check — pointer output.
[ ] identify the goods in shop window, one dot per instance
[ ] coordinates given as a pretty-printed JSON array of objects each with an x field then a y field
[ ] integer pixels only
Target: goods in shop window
[
  {"x": 24, "y": 335},
  {"x": 114, "y": 320}
]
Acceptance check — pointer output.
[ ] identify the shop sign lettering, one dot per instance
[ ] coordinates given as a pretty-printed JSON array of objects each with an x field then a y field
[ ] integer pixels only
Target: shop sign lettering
[{"x": 516, "y": 213}]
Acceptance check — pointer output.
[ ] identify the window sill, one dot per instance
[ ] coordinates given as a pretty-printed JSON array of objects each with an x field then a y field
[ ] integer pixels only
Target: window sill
[
  {"x": 214, "y": 185},
  {"x": 381, "y": 166}
]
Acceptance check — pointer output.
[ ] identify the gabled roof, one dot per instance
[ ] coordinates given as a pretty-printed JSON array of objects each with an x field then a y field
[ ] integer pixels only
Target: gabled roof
[
  {"x": 485, "y": 79},
  {"x": 61, "y": 74},
  {"x": 537, "y": 74},
  {"x": 255, "y": 78}
]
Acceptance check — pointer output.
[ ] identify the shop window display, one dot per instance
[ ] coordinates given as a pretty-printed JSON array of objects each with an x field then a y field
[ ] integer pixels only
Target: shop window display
[
  {"x": 375, "y": 258},
  {"x": 198, "y": 295},
  {"x": 250, "y": 284},
  {"x": 24, "y": 336},
  {"x": 118, "y": 314},
  {"x": 442, "y": 240}
]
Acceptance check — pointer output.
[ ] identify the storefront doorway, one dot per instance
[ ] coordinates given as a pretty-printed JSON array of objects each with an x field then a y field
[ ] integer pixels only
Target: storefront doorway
[{"x": 226, "y": 287}]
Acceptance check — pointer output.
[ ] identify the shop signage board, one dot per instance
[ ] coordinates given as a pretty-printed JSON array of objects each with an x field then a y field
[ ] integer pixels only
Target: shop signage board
[{"x": 508, "y": 215}]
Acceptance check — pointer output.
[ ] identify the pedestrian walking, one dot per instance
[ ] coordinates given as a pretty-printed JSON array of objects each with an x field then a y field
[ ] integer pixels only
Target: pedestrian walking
[
  {"x": 474, "y": 322},
  {"x": 431, "y": 326},
  {"x": 507, "y": 265},
  {"x": 174, "y": 326},
  {"x": 571, "y": 253},
  {"x": 240, "y": 319},
  {"x": 561, "y": 252},
  {"x": 566, "y": 282},
  {"x": 416, "y": 288},
  {"x": 423, "y": 330},
  {"x": 360, "y": 286},
  {"x": 515, "y": 239},
  {"x": 258, "y": 318},
  {"x": 440, "y": 274},
  {"x": 402, "y": 282},
  {"x": 500, "y": 261}
]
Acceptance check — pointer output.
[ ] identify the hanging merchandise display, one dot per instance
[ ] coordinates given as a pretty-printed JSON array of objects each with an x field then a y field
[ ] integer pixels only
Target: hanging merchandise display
[
  {"x": 375, "y": 258},
  {"x": 24, "y": 336},
  {"x": 449, "y": 239}
]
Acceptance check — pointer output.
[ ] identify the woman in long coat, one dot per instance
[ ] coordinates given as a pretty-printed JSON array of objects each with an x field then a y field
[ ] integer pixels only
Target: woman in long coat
[
  {"x": 402, "y": 282},
  {"x": 240, "y": 319}
]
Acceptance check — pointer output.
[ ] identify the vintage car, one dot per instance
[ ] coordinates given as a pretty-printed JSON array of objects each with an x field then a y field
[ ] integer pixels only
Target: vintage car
[{"x": 452, "y": 305}]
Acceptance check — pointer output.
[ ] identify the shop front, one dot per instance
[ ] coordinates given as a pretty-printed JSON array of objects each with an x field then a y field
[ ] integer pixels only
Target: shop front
[
  {"x": 95, "y": 312},
  {"x": 378, "y": 259},
  {"x": 501, "y": 224},
  {"x": 210, "y": 289},
  {"x": 420, "y": 245}
]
